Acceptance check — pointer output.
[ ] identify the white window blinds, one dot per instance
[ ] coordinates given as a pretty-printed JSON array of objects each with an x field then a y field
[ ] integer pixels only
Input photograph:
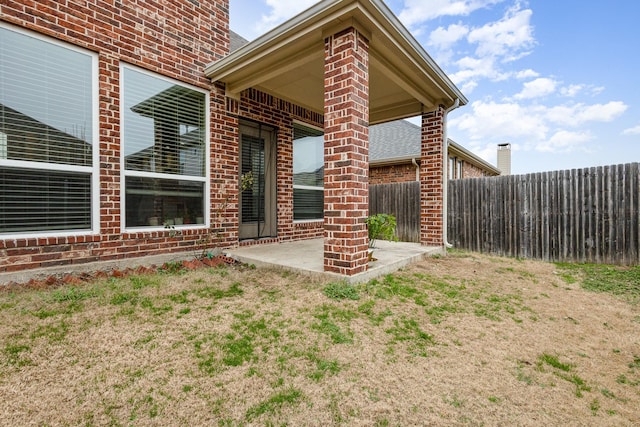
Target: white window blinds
[
  {"x": 164, "y": 140},
  {"x": 46, "y": 135}
]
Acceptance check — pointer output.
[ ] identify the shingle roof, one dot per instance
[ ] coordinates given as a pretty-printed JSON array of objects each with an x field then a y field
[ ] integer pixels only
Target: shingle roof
[
  {"x": 393, "y": 140},
  {"x": 401, "y": 140},
  {"x": 236, "y": 41}
]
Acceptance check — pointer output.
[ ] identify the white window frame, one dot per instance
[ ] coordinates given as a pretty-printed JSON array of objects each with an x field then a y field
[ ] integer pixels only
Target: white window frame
[
  {"x": 459, "y": 166},
  {"x": 452, "y": 167},
  {"x": 130, "y": 173},
  {"x": 92, "y": 170},
  {"x": 306, "y": 187}
]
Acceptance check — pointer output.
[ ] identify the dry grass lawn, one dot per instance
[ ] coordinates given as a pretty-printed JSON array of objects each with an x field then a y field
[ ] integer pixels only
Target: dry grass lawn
[{"x": 459, "y": 340}]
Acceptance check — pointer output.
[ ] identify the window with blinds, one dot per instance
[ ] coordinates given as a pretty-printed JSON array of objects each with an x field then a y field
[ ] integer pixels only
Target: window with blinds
[
  {"x": 308, "y": 173},
  {"x": 47, "y": 135},
  {"x": 164, "y": 146}
]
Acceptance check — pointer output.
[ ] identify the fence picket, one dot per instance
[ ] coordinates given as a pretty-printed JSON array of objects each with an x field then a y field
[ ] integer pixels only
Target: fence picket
[
  {"x": 579, "y": 215},
  {"x": 583, "y": 215},
  {"x": 401, "y": 200}
]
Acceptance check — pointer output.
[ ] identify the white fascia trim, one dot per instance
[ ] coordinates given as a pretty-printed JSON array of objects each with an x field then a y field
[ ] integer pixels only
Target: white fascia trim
[
  {"x": 402, "y": 30},
  {"x": 258, "y": 44},
  {"x": 393, "y": 161}
]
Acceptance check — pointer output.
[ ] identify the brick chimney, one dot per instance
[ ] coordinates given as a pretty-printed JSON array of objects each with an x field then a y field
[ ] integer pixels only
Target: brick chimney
[{"x": 504, "y": 158}]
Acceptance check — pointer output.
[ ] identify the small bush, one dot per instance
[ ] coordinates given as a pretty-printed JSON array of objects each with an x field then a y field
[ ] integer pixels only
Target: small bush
[{"x": 381, "y": 226}]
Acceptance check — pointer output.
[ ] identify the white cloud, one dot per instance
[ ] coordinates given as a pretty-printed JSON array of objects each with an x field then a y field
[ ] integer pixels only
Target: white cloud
[
  {"x": 418, "y": 11},
  {"x": 474, "y": 69},
  {"x": 526, "y": 74},
  {"x": 468, "y": 87},
  {"x": 565, "y": 141},
  {"x": 496, "y": 43},
  {"x": 501, "y": 122},
  {"x": 632, "y": 131},
  {"x": 511, "y": 37},
  {"x": 537, "y": 88},
  {"x": 535, "y": 127},
  {"x": 281, "y": 10},
  {"x": 445, "y": 37},
  {"x": 579, "y": 114},
  {"x": 574, "y": 90},
  {"x": 571, "y": 90}
]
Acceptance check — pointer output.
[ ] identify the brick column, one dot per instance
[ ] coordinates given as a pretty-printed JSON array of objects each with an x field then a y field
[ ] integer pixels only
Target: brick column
[
  {"x": 346, "y": 152},
  {"x": 431, "y": 178}
]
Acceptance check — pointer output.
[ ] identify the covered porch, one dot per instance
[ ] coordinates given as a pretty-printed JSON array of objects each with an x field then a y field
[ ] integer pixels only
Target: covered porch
[{"x": 353, "y": 62}]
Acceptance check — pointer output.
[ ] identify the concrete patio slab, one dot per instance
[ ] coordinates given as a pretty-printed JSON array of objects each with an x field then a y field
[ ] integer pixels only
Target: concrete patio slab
[{"x": 306, "y": 256}]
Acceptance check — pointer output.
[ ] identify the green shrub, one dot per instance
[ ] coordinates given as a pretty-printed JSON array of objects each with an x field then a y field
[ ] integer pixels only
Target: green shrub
[{"x": 381, "y": 226}]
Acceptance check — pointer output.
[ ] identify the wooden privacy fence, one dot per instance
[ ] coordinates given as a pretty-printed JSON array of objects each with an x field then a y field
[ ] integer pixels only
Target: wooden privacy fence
[
  {"x": 402, "y": 200},
  {"x": 581, "y": 215}
]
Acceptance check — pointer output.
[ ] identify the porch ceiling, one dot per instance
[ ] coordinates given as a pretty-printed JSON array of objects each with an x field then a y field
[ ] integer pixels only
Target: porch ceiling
[{"x": 288, "y": 62}]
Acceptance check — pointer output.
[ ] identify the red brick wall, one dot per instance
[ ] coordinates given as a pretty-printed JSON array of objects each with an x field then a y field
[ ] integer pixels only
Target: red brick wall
[
  {"x": 346, "y": 169},
  {"x": 431, "y": 179},
  {"x": 265, "y": 108},
  {"x": 174, "y": 38},
  {"x": 407, "y": 173},
  {"x": 392, "y": 174},
  {"x": 471, "y": 171}
]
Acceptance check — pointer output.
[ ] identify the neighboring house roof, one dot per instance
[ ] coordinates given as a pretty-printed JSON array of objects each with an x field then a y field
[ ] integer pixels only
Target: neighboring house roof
[
  {"x": 236, "y": 41},
  {"x": 460, "y": 152},
  {"x": 164, "y": 105},
  {"x": 28, "y": 136},
  {"x": 288, "y": 62},
  {"x": 400, "y": 141},
  {"x": 394, "y": 141}
]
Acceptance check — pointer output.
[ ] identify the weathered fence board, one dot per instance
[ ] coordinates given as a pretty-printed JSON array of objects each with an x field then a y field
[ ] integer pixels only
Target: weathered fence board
[
  {"x": 580, "y": 215},
  {"x": 401, "y": 200}
]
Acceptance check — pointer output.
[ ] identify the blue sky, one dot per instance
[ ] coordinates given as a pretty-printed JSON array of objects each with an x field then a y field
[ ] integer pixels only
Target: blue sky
[{"x": 558, "y": 79}]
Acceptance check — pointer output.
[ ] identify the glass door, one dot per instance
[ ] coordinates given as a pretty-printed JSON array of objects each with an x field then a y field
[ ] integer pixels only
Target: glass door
[{"x": 257, "y": 181}]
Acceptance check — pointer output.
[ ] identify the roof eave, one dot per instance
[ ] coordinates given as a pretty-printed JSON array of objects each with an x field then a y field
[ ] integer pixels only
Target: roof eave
[
  {"x": 470, "y": 157},
  {"x": 328, "y": 14},
  {"x": 417, "y": 47},
  {"x": 394, "y": 161}
]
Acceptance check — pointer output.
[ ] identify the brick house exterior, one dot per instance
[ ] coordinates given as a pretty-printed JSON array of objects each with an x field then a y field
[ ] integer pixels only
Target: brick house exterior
[
  {"x": 193, "y": 162},
  {"x": 395, "y": 156}
]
